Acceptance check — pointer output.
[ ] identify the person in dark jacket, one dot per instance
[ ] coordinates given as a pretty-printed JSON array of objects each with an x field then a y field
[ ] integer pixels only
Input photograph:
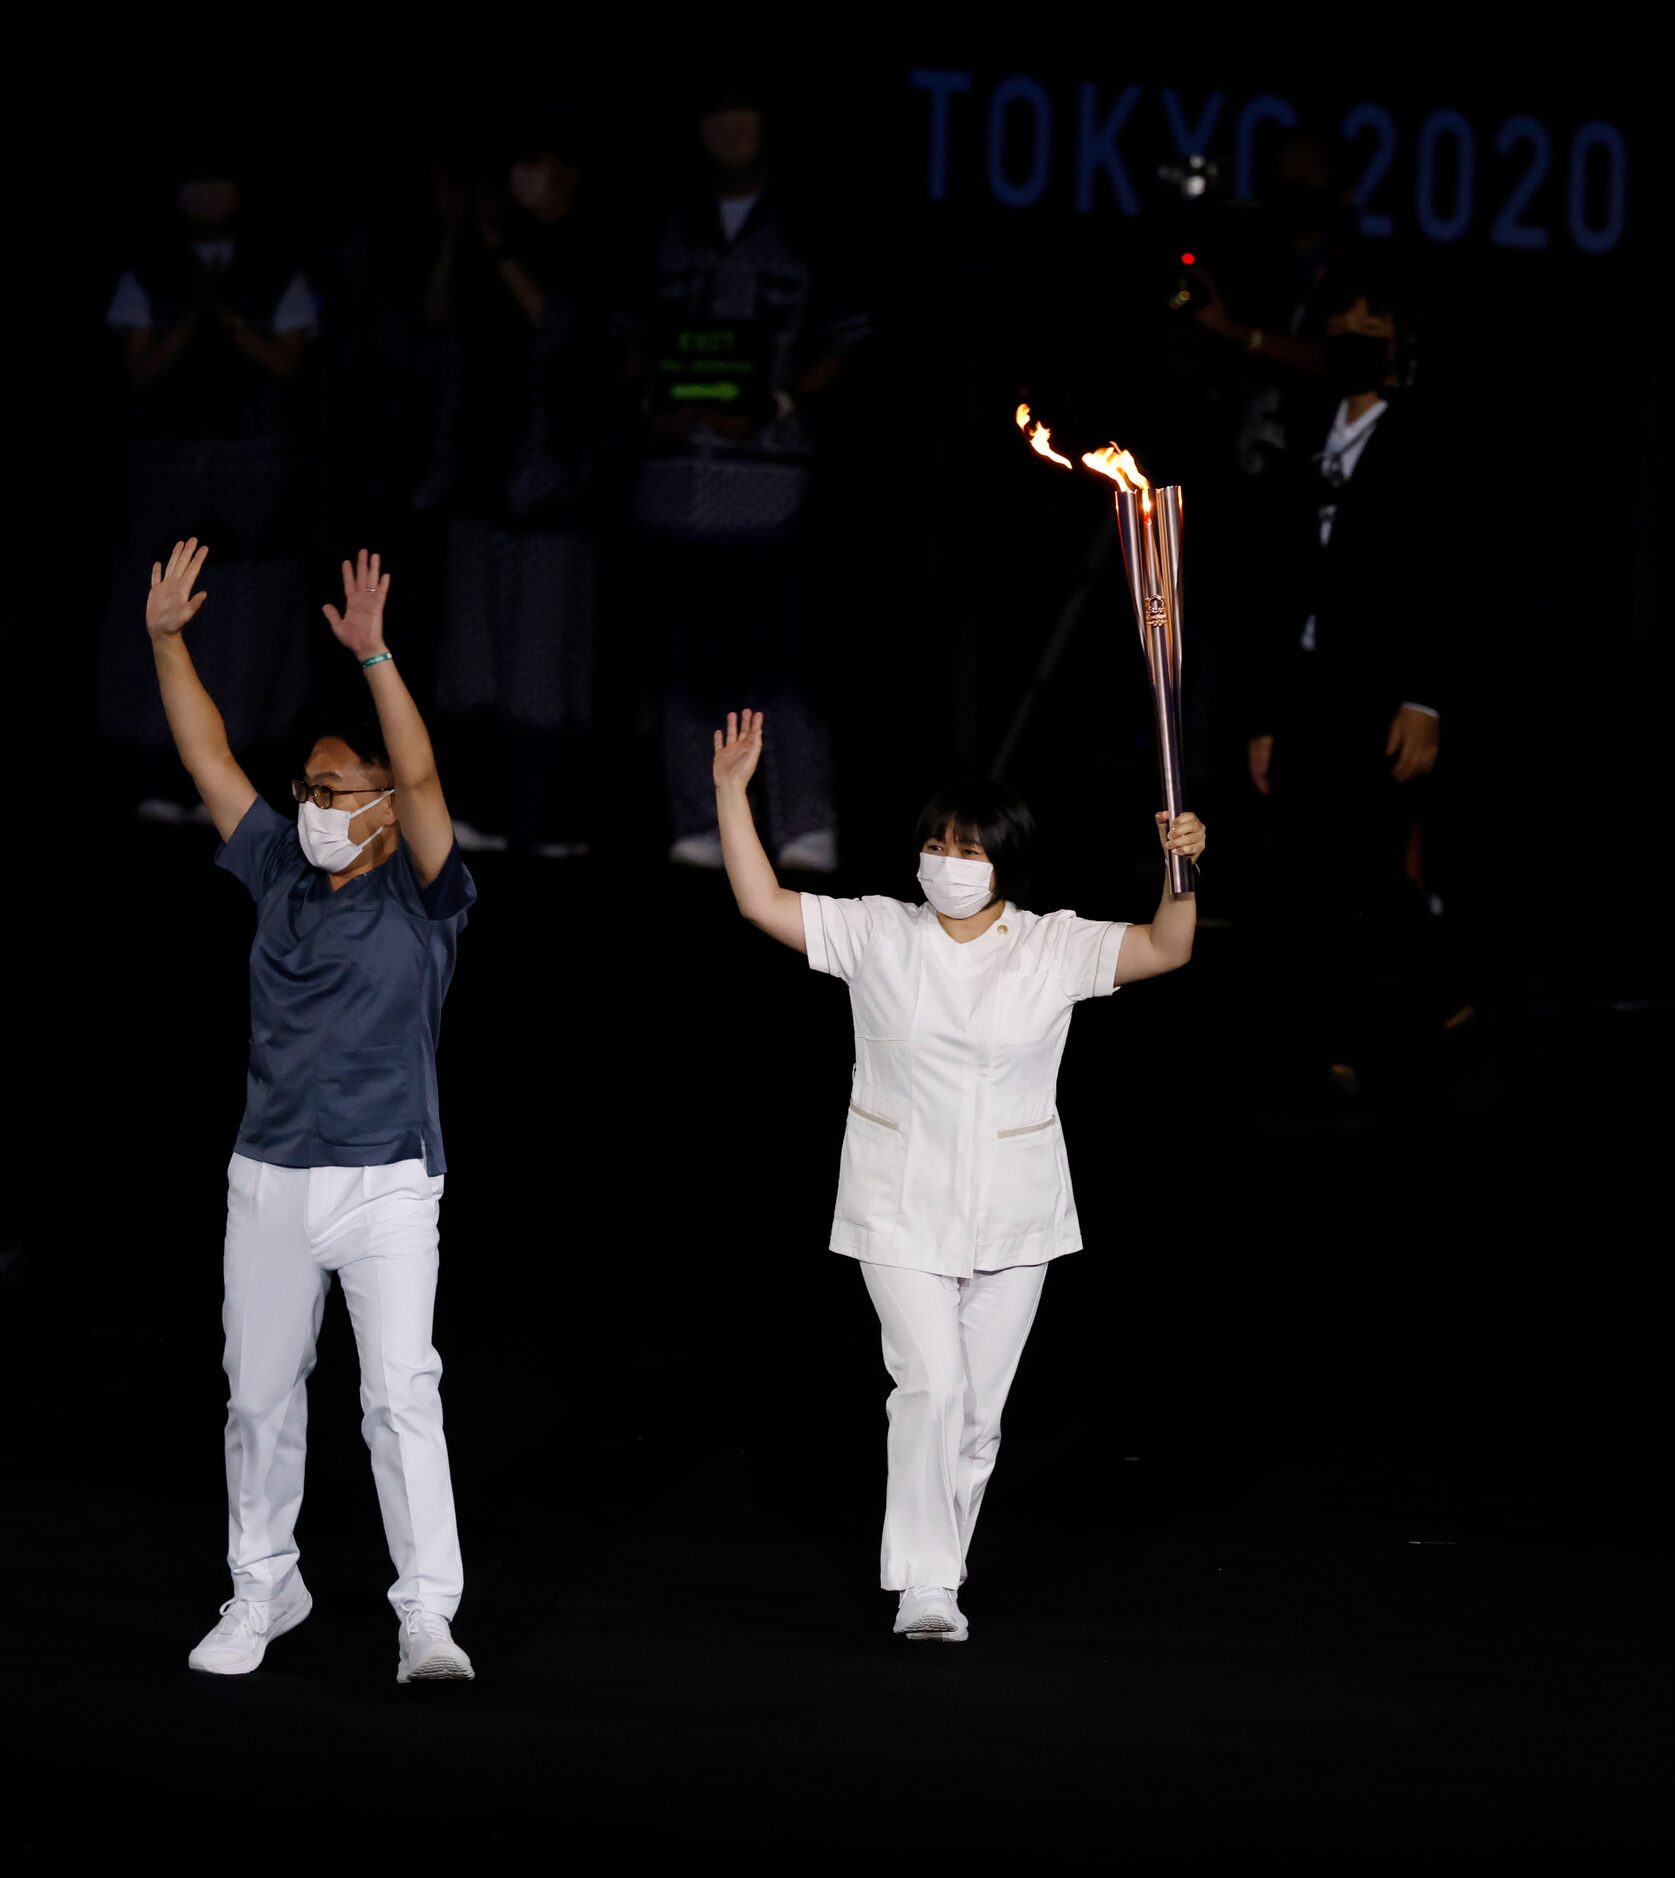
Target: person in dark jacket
[
  {"x": 214, "y": 325},
  {"x": 739, "y": 320},
  {"x": 514, "y": 295},
  {"x": 1350, "y": 695}
]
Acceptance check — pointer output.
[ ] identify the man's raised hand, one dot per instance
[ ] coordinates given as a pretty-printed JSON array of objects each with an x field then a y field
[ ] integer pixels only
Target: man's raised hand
[
  {"x": 739, "y": 751},
  {"x": 171, "y": 603},
  {"x": 360, "y": 626}
]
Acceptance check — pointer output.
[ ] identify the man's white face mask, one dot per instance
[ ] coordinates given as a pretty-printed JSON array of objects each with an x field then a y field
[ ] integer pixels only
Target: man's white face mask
[
  {"x": 956, "y": 888},
  {"x": 324, "y": 834}
]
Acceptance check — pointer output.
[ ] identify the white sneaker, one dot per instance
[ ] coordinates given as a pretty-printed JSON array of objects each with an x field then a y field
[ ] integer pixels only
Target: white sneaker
[
  {"x": 697, "y": 851},
  {"x": 475, "y": 841},
  {"x": 562, "y": 850},
  {"x": 428, "y": 1650},
  {"x": 248, "y": 1625},
  {"x": 811, "y": 854},
  {"x": 931, "y": 1614}
]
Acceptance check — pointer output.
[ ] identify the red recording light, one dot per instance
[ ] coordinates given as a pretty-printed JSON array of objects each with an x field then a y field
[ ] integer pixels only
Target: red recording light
[{"x": 1187, "y": 260}]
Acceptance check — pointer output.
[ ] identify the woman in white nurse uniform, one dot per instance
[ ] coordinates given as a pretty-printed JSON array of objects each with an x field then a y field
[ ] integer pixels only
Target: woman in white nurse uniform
[{"x": 954, "y": 1193}]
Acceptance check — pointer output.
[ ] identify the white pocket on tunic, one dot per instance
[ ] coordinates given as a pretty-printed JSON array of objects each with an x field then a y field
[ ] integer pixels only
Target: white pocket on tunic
[
  {"x": 1025, "y": 1179},
  {"x": 874, "y": 1160}
]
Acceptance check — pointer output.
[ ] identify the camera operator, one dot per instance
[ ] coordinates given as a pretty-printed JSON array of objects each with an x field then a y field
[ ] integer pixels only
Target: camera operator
[{"x": 1306, "y": 219}]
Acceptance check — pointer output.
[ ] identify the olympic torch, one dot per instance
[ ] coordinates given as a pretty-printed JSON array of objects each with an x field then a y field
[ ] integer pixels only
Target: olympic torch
[{"x": 1149, "y": 524}]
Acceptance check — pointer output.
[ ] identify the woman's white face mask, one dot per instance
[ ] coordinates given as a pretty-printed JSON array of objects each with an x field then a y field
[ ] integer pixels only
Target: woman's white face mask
[
  {"x": 324, "y": 834},
  {"x": 956, "y": 888}
]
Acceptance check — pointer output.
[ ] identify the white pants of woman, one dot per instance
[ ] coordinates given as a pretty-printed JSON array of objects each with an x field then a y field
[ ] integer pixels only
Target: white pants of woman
[
  {"x": 288, "y": 1230},
  {"x": 951, "y": 1346}
]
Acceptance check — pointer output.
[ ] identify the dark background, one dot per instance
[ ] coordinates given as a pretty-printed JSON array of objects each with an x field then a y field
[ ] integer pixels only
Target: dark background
[{"x": 1200, "y": 1604}]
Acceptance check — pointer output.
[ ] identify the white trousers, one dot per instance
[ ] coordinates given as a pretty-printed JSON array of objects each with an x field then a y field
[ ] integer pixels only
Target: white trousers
[
  {"x": 951, "y": 1346},
  {"x": 288, "y": 1230}
]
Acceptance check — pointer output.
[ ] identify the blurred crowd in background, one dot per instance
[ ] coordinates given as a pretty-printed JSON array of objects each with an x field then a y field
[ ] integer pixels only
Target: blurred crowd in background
[
  {"x": 639, "y": 448},
  {"x": 548, "y": 416}
]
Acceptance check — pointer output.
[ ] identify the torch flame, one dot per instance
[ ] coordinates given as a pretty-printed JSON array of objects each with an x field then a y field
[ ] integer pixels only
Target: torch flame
[
  {"x": 1119, "y": 465},
  {"x": 1040, "y": 438},
  {"x": 1122, "y": 469},
  {"x": 1111, "y": 461}
]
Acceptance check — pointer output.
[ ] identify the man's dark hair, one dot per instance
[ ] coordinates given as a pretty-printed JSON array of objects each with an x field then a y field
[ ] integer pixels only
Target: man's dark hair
[
  {"x": 1362, "y": 276},
  {"x": 361, "y": 731},
  {"x": 992, "y": 813}
]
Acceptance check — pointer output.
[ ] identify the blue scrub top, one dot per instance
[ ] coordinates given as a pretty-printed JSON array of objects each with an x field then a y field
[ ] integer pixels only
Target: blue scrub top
[{"x": 346, "y": 993}]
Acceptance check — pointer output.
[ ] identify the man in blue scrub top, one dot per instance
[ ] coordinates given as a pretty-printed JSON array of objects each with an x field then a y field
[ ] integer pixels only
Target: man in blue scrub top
[{"x": 339, "y": 1163}]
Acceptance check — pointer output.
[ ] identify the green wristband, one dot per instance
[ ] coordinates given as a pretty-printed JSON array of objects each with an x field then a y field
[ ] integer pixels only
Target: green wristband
[{"x": 377, "y": 658}]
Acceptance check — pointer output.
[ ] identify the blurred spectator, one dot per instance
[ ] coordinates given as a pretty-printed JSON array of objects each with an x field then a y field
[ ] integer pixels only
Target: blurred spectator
[
  {"x": 516, "y": 289},
  {"x": 381, "y": 369},
  {"x": 1348, "y": 717},
  {"x": 213, "y": 326},
  {"x": 1238, "y": 383},
  {"x": 1260, "y": 299},
  {"x": 741, "y": 315}
]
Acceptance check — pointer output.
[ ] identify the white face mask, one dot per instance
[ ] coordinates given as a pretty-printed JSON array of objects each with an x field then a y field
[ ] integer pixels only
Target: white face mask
[
  {"x": 956, "y": 888},
  {"x": 324, "y": 834}
]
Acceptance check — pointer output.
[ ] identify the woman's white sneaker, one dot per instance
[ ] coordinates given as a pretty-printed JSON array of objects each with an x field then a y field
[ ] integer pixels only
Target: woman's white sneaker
[
  {"x": 931, "y": 1614},
  {"x": 428, "y": 1650},
  {"x": 240, "y": 1640}
]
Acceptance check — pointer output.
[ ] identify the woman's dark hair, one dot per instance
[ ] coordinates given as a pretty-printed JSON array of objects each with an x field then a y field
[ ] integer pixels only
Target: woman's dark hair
[{"x": 992, "y": 813}]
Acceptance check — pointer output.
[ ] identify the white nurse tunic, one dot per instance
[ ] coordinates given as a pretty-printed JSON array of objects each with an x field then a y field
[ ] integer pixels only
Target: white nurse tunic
[{"x": 953, "y": 1158}]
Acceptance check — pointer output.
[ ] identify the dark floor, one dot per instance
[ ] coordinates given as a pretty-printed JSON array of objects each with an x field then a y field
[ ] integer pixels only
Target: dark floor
[{"x": 1327, "y": 1525}]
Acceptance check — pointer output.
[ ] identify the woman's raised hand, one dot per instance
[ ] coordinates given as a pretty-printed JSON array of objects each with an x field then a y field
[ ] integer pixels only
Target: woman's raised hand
[
  {"x": 1184, "y": 835},
  {"x": 172, "y": 604},
  {"x": 360, "y": 626},
  {"x": 738, "y": 750}
]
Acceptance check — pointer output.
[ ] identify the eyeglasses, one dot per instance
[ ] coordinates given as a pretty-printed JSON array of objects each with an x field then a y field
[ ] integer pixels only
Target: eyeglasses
[{"x": 322, "y": 795}]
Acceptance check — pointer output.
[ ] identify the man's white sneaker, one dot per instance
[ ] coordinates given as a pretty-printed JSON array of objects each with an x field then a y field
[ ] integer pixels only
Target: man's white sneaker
[
  {"x": 931, "y": 1614},
  {"x": 697, "y": 851},
  {"x": 811, "y": 854},
  {"x": 248, "y": 1625},
  {"x": 428, "y": 1650}
]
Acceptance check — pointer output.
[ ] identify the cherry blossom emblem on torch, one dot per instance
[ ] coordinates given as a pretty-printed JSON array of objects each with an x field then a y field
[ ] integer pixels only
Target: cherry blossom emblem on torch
[{"x": 1149, "y": 523}]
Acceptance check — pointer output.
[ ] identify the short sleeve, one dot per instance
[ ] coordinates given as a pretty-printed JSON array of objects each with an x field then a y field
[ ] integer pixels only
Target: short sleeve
[
  {"x": 452, "y": 892},
  {"x": 261, "y": 850},
  {"x": 130, "y": 307},
  {"x": 295, "y": 311},
  {"x": 837, "y": 932},
  {"x": 1084, "y": 955}
]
